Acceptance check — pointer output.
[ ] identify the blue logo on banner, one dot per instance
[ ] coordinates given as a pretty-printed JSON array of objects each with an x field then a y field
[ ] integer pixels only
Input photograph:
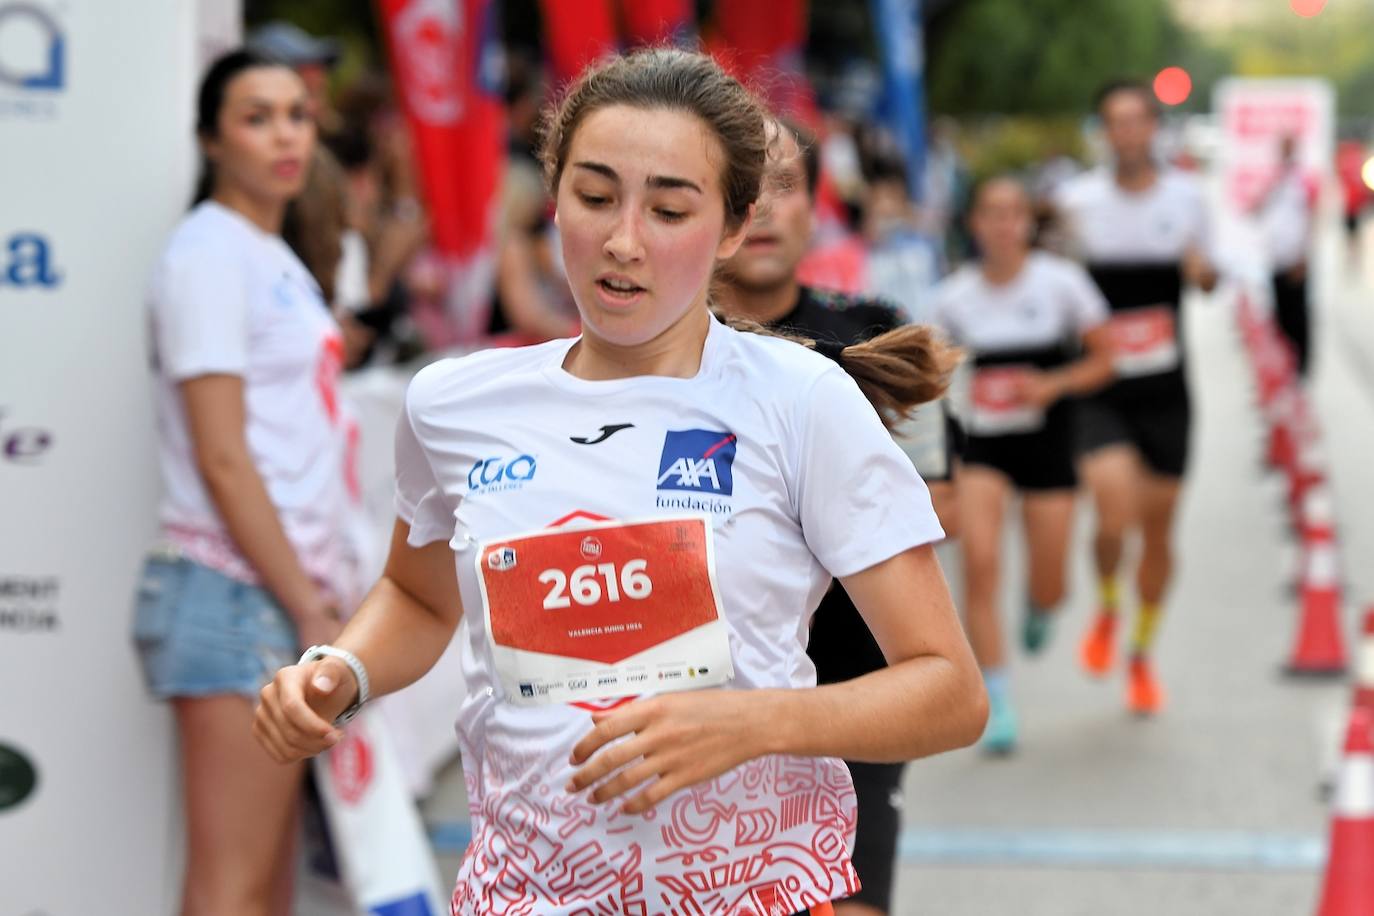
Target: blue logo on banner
[
  {"x": 45, "y": 68},
  {"x": 416, "y": 905},
  {"x": 699, "y": 460},
  {"x": 26, "y": 261}
]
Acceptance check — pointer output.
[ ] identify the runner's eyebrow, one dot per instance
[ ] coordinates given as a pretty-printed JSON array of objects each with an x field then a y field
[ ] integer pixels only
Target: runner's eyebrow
[{"x": 667, "y": 182}]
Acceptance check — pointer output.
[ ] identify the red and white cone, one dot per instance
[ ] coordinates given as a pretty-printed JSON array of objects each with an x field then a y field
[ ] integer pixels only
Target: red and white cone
[
  {"x": 1364, "y": 665},
  {"x": 1348, "y": 889},
  {"x": 1319, "y": 650}
]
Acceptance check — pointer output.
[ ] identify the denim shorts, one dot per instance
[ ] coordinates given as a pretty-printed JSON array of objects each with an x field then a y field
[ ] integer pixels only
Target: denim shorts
[{"x": 201, "y": 633}]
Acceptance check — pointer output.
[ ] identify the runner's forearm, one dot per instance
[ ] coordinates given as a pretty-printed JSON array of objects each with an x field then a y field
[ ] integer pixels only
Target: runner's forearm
[
  {"x": 915, "y": 708},
  {"x": 396, "y": 637}
]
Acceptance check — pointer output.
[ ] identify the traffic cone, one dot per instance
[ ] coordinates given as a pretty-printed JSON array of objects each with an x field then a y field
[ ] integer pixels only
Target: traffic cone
[
  {"x": 1348, "y": 889},
  {"x": 1364, "y": 665},
  {"x": 1320, "y": 651}
]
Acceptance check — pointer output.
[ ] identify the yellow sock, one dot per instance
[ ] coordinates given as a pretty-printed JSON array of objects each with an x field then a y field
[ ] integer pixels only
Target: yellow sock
[
  {"x": 1107, "y": 595},
  {"x": 1146, "y": 626}
]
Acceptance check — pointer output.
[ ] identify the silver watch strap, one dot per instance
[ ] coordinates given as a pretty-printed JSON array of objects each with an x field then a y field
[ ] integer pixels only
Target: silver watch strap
[{"x": 315, "y": 653}]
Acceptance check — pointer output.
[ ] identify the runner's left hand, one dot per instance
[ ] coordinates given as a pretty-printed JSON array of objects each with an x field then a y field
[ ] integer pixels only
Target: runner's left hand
[
  {"x": 1038, "y": 389},
  {"x": 680, "y": 738}
]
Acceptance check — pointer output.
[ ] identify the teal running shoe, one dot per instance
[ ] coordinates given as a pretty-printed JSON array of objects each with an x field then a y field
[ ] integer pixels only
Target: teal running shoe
[
  {"x": 1036, "y": 629},
  {"x": 999, "y": 738}
]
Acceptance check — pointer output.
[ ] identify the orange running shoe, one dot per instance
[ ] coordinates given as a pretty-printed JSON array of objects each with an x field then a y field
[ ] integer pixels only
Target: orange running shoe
[
  {"x": 1144, "y": 696},
  {"x": 1097, "y": 652}
]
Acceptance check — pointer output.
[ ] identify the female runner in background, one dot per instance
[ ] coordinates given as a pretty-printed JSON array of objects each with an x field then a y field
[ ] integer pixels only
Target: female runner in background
[{"x": 1035, "y": 328}]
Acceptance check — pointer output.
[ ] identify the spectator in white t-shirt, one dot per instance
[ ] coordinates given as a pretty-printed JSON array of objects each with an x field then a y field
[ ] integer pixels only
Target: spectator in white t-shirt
[{"x": 251, "y": 557}]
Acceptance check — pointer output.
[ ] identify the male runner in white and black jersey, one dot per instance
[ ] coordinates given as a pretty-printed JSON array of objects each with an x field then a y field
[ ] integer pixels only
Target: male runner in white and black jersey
[
  {"x": 761, "y": 285},
  {"x": 1141, "y": 229}
]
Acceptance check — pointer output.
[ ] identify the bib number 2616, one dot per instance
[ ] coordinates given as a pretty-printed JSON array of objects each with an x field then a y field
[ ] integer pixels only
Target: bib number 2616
[{"x": 589, "y": 584}]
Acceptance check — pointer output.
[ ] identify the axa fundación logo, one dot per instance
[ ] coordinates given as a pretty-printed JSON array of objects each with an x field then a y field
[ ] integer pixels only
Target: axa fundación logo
[
  {"x": 697, "y": 461},
  {"x": 33, "y": 60}
]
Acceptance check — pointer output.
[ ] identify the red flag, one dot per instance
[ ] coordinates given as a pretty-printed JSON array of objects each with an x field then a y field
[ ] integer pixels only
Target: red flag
[
  {"x": 762, "y": 44},
  {"x": 657, "y": 22},
  {"x": 445, "y": 59},
  {"x": 576, "y": 33}
]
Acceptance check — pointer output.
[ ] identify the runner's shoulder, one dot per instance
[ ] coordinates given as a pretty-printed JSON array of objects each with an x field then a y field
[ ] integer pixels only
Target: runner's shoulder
[
  {"x": 474, "y": 376},
  {"x": 783, "y": 365},
  {"x": 1085, "y": 188}
]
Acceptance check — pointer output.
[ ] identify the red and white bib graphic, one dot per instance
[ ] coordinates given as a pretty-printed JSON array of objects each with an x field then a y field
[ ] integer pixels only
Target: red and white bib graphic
[
  {"x": 609, "y": 609},
  {"x": 997, "y": 407},
  {"x": 1144, "y": 341}
]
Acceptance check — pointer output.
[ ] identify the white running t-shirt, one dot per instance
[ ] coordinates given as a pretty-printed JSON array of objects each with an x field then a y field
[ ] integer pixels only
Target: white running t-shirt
[
  {"x": 777, "y": 449},
  {"x": 1050, "y": 302},
  {"x": 228, "y": 298},
  {"x": 1108, "y": 224}
]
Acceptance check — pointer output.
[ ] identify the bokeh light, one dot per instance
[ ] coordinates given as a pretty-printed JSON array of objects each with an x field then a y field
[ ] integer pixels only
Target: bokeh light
[
  {"x": 1173, "y": 85},
  {"x": 1367, "y": 173},
  {"x": 1307, "y": 8}
]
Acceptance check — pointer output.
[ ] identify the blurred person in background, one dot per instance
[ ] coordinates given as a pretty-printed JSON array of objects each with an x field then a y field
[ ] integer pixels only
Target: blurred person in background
[
  {"x": 760, "y": 284},
  {"x": 1350, "y": 159},
  {"x": 250, "y": 562},
  {"x": 312, "y": 58},
  {"x": 1142, "y": 230},
  {"x": 1287, "y": 212},
  {"x": 903, "y": 263},
  {"x": 1034, "y": 327},
  {"x": 532, "y": 302}
]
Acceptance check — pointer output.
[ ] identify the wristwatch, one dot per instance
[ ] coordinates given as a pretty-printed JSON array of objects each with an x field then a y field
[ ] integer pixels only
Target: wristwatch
[{"x": 315, "y": 653}]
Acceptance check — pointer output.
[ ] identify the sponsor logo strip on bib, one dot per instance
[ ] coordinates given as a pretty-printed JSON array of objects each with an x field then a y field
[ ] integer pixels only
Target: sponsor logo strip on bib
[
  {"x": 1144, "y": 341},
  {"x": 997, "y": 406},
  {"x": 604, "y": 610}
]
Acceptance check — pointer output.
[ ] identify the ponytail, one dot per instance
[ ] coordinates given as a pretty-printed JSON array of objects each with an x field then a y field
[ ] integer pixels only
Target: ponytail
[{"x": 897, "y": 371}]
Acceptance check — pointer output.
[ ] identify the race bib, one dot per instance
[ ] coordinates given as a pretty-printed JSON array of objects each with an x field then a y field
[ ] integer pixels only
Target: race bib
[
  {"x": 1144, "y": 341},
  {"x": 997, "y": 409},
  {"x": 605, "y": 610}
]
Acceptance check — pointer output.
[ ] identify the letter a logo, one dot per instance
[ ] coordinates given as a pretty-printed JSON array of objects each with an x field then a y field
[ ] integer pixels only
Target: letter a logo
[{"x": 698, "y": 460}]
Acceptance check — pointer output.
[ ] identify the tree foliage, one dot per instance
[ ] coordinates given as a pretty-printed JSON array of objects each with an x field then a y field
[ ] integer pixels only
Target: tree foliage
[{"x": 1043, "y": 56}]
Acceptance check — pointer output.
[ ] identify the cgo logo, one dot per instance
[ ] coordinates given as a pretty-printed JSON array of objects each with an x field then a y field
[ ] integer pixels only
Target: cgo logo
[
  {"x": 26, "y": 262},
  {"x": 494, "y": 475}
]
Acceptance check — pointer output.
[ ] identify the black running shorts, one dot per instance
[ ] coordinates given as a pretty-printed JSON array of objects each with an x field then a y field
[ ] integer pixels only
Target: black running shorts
[
  {"x": 1159, "y": 431},
  {"x": 878, "y": 789}
]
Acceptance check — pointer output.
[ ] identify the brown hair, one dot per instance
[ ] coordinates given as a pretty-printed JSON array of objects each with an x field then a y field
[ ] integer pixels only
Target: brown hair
[
  {"x": 896, "y": 371},
  {"x": 657, "y": 78},
  {"x": 315, "y": 220}
]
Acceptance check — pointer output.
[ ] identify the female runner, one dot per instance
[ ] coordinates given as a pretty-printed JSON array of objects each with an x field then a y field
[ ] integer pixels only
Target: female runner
[
  {"x": 642, "y": 513},
  {"x": 1025, "y": 316}
]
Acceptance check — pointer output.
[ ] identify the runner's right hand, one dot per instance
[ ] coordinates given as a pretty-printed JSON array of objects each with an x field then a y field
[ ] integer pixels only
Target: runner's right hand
[{"x": 295, "y": 717}]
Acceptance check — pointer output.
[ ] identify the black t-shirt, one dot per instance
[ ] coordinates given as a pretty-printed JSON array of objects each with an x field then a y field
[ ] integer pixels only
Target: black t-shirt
[{"x": 840, "y": 644}]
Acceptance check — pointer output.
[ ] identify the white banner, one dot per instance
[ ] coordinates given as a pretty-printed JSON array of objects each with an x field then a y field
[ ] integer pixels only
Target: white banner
[
  {"x": 1255, "y": 115},
  {"x": 96, "y": 114}
]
